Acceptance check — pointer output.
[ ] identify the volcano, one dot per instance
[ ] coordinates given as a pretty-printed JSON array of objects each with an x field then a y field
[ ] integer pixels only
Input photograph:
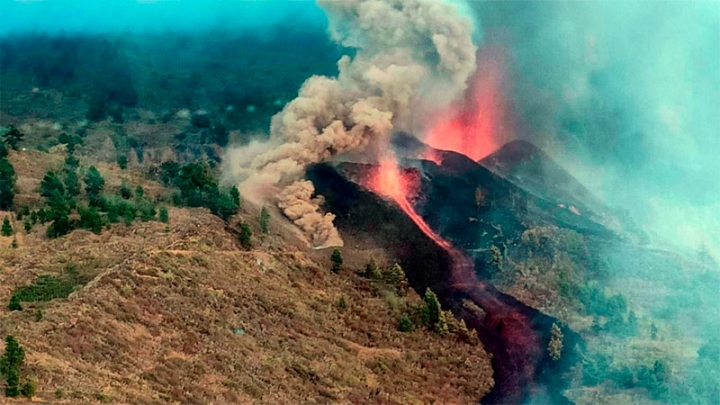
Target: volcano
[{"x": 472, "y": 208}]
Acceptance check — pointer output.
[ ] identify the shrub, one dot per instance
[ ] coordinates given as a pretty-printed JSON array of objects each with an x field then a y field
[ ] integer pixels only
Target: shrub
[
  {"x": 28, "y": 225},
  {"x": 264, "y": 220},
  {"x": 139, "y": 192},
  {"x": 169, "y": 172},
  {"x": 13, "y": 136},
  {"x": 125, "y": 191},
  {"x": 46, "y": 288},
  {"x": 224, "y": 207},
  {"x": 164, "y": 216},
  {"x": 14, "y": 304},
  {"x": 60, "y": 226},
  {"x": 147, "y": 210},
  {"x": 341, "y": 303},
  {"x": 28, "y": 389},
  {"x": 406, "y": 324},
  {"x": 90, "y": 219},
  {"x": 122, "y": 161},
  {"x": 337, "y": 260},
  {"x": 7, "y": 229}
]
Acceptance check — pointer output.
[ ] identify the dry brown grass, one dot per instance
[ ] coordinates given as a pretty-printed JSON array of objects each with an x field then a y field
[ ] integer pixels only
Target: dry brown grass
[{"x": 160, "y": 321}]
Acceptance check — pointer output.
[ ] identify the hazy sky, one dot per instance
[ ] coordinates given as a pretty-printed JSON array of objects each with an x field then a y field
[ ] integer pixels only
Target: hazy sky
[{"x": 120, "y": 15}]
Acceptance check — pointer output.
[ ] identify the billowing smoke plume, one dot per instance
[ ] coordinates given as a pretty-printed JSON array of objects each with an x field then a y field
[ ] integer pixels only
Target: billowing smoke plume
[
  {"x": 406, "y": 53},
  {"x": 298, "y": 204}
]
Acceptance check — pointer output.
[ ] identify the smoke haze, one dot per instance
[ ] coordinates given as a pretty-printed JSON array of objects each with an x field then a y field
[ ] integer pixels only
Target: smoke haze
[{"x": 627, "y": 96}]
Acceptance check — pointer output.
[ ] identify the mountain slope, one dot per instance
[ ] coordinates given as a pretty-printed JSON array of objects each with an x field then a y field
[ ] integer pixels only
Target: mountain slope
[{"x": 181, "y": 313}]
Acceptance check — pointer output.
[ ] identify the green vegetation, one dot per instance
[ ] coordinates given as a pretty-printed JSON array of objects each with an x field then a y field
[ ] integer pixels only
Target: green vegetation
[
  {"x": 72, "y": 183},
  {"x": 91, "y": 220},
  {"x": 46, "y": 288},
  {"x": 122, "y": 161},
  {"x": 245, "y": 236},
  {"x": 28, "y": 389},
  {"x": 199, "y": 188},
  {"x": 94, "y": 184},
  {"x": 51, "y": 185},
  {"x": 264, "y": 219},
  {"x": 395, "y": 277},
  {"x": 7, "y": 184},
  {"x": 14, "y": 304},
  {"x": 7, "y": 229},
  {"x": 405, "y": 324},
  {"x": 337, "y": 260},
  {"x": 10, "y": 364},
  {"x": 341, "y": 303},
  {"x": 371, "y": 270},
  {"x": 235, "y": 194},
  {"x": 12, "y": 137},
  {"x": 432, "y": 315},
  {"x": 164, "y": 216}
]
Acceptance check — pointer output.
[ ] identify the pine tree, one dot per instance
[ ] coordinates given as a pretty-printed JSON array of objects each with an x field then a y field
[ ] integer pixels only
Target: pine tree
[
  {"x": 264, "y": 220},
  {"x": 245, "y": 236},
  {"x": 72, "y": 184},
  {"x": 50, "y": 184},
  {"x": 235, "y": 194},
  {"x": 94, "y": 183},
  {"x": 28, "y": 225},
  {"x": 7, "y": 229},
  {"x": 396, "y": 278},
  {"x": 7, "y": 184},
  {"x": 371, "y": 270},
  {"x": 10, "y": 364},
  {"x": 433, "y": 309},
  {"x": 337, "y": 260}
]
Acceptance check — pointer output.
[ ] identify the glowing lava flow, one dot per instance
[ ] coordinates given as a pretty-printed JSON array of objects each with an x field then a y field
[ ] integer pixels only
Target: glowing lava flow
[
  {"x": 480, "y": 123},
  {"x": 388, "y": 181}
]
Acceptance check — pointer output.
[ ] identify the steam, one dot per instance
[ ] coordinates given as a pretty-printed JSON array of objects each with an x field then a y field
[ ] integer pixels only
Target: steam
[{"x": 407, "y": 52}]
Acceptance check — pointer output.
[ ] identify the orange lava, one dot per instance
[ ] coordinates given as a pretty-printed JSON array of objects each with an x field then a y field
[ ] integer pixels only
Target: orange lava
[
  {"x": 388, "y": 181},
  {"x": 480, "y": 123}
]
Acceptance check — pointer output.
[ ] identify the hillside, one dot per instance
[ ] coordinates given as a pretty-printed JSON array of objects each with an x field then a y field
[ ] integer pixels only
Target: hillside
[{"x": 182, "y": 313}]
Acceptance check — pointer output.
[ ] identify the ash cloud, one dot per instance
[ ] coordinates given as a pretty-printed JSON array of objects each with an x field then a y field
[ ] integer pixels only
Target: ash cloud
[{"x": 405, "y": 53}]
